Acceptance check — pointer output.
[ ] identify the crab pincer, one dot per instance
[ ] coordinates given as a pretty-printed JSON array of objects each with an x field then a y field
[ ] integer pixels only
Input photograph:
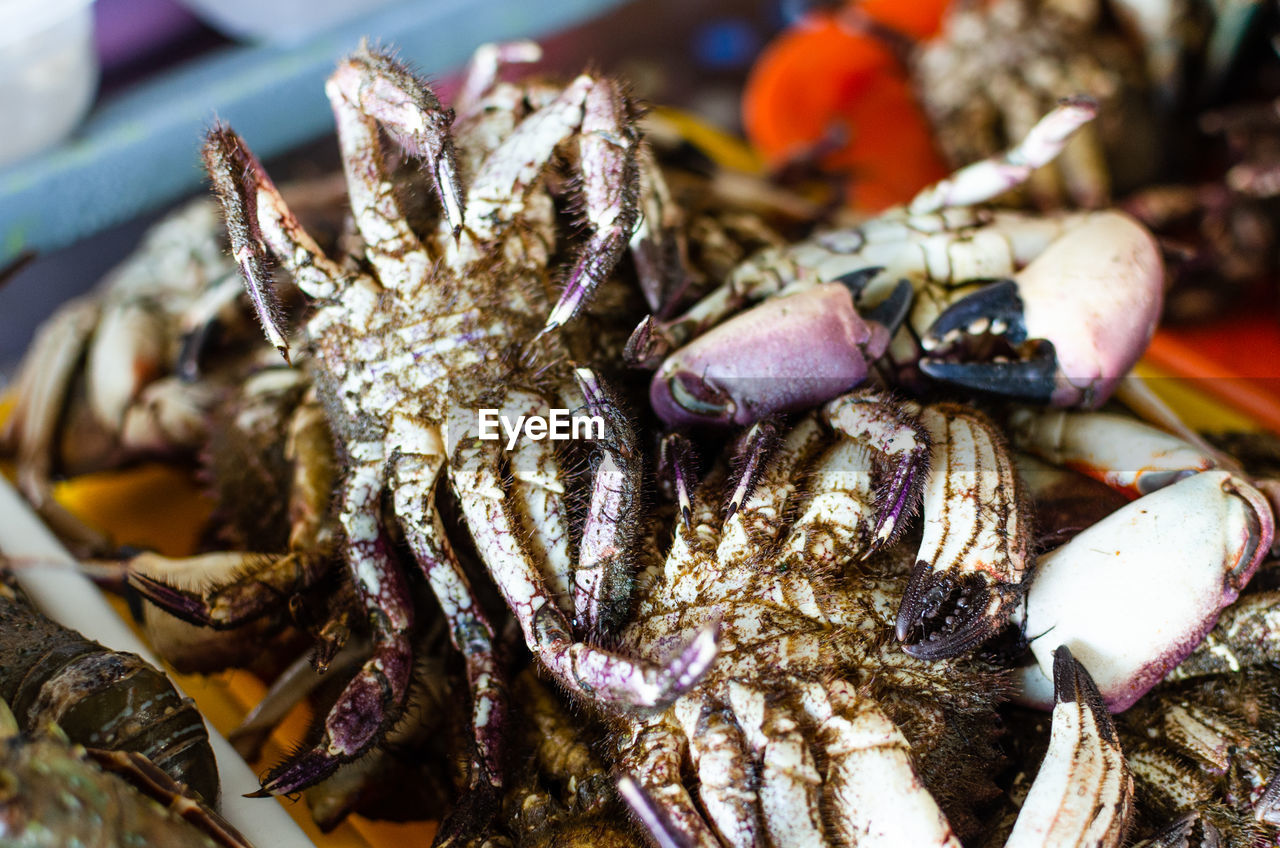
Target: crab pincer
[
  {"x": 790, "y": 352},
  {"x": 1185, "y": 550},
  {"x": 1074, "y": 320}
]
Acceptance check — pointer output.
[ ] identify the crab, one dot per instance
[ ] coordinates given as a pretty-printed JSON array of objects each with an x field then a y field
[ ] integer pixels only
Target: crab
[
  {"x": 996, "y": 66},
  {"x": 133, "y": 370},
  {"x": 404, "y": 348},
  {"x": 1075, "y": 300},
  {"x": 812, "y": 727}
]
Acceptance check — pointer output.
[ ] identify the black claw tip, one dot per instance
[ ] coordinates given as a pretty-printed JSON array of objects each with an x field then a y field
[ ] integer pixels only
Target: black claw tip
[
  {"x": 942, "y": 617},
  {"x": 1072, "y": 682},
  {"x": 1033, "y": 378},
  {"x": 893, "y": 310},
  {"x": 998, "y": 301}
]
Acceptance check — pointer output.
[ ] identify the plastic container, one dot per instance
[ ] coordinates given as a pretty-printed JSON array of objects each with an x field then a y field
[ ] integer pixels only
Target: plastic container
[
  {"x": 50, "y": 72},
  {"x": 279, "y": 21}
]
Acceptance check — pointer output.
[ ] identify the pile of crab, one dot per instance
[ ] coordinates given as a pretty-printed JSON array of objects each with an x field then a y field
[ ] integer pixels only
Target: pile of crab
[{"x": 910, "y": 511}]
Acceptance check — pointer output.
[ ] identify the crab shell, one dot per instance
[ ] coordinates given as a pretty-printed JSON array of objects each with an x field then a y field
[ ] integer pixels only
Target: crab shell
[{"x": 1134, "y": 594}]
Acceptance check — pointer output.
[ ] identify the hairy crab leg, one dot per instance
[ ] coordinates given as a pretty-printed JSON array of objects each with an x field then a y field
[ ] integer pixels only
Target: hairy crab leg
[
  {"x": 607, "y": 154},
  {"x": 718, "y": 750},
  {"x": 469, "y": 629},
  {"x": 871, "y": 784},
  {"x": 652, "y": 785},
  {"x": 609, "y": 679},
  {"x": 211, "y": 590},
  {"x": 42, "y": 387},
  {"x": 659, "y": 246},
  {"x": 1246, "y": 635},
  {"x": 482, "y": 71},
  {"x": 1083, "y": 794},
  {"x": 224, "y": 590},
  {"x": 602, "y": 580},
  {"x": 974, "y": 554},
  {"x": 610, "y": 185},
  {"x": 762, "y": 490},
  {"x": 901, "y": 448},
  {"x": 374, "y": 696},
  {"x": 258, "y": 220},
  {"x": 369, "y": 92}
]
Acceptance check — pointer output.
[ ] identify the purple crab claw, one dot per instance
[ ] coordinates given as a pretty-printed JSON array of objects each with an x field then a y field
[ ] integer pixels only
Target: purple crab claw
[
  {"x": 1135, "y": 593},
  {"x": 1066, "y": 328},
  {"x": 790, "y": 352}
]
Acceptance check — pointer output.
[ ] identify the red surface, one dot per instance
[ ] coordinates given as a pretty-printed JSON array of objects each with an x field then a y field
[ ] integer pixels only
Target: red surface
[
  {"x": 821, "y": 80},
  {"x": 1236, "y": 359}
]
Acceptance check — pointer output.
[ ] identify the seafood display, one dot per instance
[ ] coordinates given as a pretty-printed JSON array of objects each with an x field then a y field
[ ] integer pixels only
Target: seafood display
[
  {"x": 100, "y": 698},
  {"x": 856, "y": 565},
  {"x": 1054, "y": 308},
  {"x": 58, "y": 794}
]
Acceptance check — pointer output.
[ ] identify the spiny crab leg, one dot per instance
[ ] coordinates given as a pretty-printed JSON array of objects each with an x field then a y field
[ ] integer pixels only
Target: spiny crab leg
[
  {"x": 995, "y": 175},
  {"x": 590, "y": 671},
  {"x": 372, "y": 698},
  {"x": 371, "y": 90},
  {"x": 607, "y": 151},
  {"x": 258, "y": 220},
  {"x": 1083, "y": 794},
  {"x": 602, "y": 580}
]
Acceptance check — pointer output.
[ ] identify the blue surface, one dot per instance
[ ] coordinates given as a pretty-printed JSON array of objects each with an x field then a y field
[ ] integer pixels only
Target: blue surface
[{"x": 140, "y": 150}]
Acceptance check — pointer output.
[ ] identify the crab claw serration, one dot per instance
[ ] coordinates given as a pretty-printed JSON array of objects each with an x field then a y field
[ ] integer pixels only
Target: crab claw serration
[
  {"x": 1078, "y": 317},
  {"x": 790, "y": 352},
  {"x": 974, "y": 553}
]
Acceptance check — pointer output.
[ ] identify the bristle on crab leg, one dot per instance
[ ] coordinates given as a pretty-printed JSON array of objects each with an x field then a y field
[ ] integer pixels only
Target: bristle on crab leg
[
  {"x": 974, "y": 553},
  {"x": 902, "y": 449},
  {"x": 983, "y": 180},
  {"x": 1083, "y": 794},
  {"x": 372, "y": 698},
  {"x": 482, "y": 70},
  {"x": 872, "y": 786},
  {"x": 605, "y": 677},
  {"x": 653, "y": 788},
  {"x": 602, "y": 579},
  {"x": 258, "y": 221},
  {"x": 610, "y": 186},
  {"x": 469, "y": 628},
  {"x": 371, "y": 92},
  {"x": 236, "y": 175}
]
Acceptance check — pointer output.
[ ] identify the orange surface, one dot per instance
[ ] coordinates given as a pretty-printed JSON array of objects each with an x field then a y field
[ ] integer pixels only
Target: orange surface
[
  {"x": 1236, "y": 360},
  {"x": 823, "y": 79}
]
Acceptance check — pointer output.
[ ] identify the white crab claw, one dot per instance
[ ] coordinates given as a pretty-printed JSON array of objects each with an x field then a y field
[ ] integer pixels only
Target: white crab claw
[{"x": 1133, "y": 595}]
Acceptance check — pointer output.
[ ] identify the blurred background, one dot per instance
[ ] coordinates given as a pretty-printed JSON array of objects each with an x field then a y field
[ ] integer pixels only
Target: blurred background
[{"x": 106, "y": 103}]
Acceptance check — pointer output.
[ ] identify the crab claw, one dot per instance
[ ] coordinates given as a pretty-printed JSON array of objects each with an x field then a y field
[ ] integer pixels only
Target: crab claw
[
  {"x": 1066, "y": 328},
  {"x": 974, "y": 551},
  {"x": 790, "y": 352},
  {"x": 1134, "y": 594}
]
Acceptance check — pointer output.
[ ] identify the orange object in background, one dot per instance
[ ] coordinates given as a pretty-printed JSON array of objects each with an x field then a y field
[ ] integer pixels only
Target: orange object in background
[{"x": 823, "y": 81}]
